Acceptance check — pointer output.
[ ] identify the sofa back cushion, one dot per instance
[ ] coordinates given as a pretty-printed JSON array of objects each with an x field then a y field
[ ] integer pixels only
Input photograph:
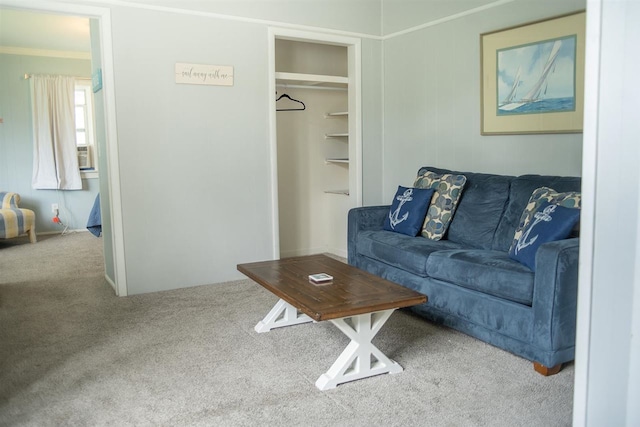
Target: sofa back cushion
[
  {"x": 480, "y": 208},
  {"x": 521, "y": 189}
]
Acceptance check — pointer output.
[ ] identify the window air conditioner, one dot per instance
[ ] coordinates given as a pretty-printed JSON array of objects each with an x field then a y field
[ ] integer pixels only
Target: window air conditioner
[{"x": 84, "y": 157}]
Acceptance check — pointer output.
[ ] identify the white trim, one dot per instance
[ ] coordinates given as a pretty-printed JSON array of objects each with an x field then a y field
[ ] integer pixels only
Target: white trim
[
  {"x": 90, "y": 131},
  {"x": 587, "y": 214},
  {"x": 273, "y": 145},
  {"x": 314, "y": 87},
  {"x": 305, "y": 252},
  {"x": 89, "y": 174},
  {"x": 285, "y": 33},
  {"x": 50, "y": 233},
  {"x": 280, "y": 24},
  {"x": 354, "y": 46},
  {"x": 113, "y": 164},
  {"x": 355, "y": 125},
  {"x": 448, "y": 18},
  {"x": 383, "y": 127},
  {"x": 104, "y": 15},
  {"x": 9, "y": 50},
  {"x": 113, "y": 285},
  {"x": 338, "y": 252},
  {"x": 298, "y": 77},
  {"x": 177, "y": 10},
  {"x": 633, "y": 387}
]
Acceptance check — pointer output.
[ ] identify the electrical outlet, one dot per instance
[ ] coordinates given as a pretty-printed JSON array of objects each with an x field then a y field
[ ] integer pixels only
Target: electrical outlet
[{"x": 54, "y": 208}]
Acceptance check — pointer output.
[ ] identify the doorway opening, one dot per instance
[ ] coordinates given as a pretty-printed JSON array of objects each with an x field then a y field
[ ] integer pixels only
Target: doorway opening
[
  {"x": 108, "y": 171},
  {"x": 316, "y": 146}
]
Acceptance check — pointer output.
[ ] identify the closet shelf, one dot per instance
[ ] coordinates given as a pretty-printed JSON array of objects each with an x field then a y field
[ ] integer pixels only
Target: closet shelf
[
  {"x": 343, "y": 192},
  {"x": 312, "y": 80},
  {"x": 336, "y": 135},
  {"x": 337, "y": 160}
]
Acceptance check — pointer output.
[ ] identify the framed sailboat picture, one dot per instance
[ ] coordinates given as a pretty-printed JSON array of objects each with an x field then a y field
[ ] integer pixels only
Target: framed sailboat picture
[{"x": 533, "y": 77}]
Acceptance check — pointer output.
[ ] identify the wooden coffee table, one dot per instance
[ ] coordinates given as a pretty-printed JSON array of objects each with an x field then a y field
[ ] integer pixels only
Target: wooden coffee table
[{"x": 357, "y": 302}]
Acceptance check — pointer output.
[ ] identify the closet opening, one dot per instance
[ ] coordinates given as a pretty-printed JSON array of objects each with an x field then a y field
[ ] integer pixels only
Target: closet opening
[{"x": 316, "y": 144}]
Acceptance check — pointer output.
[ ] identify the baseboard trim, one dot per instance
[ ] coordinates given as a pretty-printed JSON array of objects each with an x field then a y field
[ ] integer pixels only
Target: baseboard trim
[
  {"x": 313, "y": 251},
  {"x": 112, "y": 283},
  {"x": 339, "y": 252},
  {"x": 49, "y": 233},
  {"x": 301, "y": 252}
]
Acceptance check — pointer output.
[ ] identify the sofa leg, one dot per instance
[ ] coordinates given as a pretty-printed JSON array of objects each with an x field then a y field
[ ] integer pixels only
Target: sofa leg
[
  {"x": 32, "y": 235},
  {"x": 547, "y": 371}
]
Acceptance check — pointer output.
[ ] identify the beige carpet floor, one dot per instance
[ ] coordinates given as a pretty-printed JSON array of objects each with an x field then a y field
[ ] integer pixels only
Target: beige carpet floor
[{"x": 74, "y": 354}]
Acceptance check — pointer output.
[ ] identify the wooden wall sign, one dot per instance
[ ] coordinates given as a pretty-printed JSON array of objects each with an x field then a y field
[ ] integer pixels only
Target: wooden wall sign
[{"x": 199, "y": 74}]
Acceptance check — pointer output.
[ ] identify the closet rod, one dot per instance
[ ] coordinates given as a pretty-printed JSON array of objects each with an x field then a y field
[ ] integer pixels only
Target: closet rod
[{"x": 288, "y": 86}]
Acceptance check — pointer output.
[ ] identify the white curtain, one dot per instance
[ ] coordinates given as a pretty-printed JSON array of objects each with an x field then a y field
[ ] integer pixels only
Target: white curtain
[{"x": 55, "y": 159}]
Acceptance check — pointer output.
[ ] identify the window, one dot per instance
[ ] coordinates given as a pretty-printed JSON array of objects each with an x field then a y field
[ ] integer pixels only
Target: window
[{"x": 85, "y": 135}]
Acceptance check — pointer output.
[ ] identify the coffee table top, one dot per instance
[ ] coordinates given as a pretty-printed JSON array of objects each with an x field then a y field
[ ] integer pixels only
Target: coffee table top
[{"x": 352, "y": 292}]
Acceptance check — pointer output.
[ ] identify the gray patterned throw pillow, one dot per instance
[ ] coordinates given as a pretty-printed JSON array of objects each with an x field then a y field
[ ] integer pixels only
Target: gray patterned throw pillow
[{"x": 448, "y": 188}]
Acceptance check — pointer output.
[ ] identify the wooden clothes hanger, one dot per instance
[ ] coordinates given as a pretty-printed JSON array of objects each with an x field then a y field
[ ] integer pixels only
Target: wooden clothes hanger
[{"x": 284, "y": 95}]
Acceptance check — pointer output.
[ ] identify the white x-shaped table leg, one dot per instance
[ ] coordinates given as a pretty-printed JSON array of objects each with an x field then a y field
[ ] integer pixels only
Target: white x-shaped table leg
[
  {"x": 361, "y": 359},
  {"x": 282, "y": 314}
]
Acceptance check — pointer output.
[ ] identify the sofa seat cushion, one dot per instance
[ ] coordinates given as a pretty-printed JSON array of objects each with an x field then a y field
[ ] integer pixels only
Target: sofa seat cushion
[
  {"x": 489, "y": 272},
  {"x": 399, "y": 250}
]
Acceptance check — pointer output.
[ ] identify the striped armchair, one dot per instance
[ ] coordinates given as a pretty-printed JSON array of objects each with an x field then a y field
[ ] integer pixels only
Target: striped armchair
[{"x": 15, "y": 221}]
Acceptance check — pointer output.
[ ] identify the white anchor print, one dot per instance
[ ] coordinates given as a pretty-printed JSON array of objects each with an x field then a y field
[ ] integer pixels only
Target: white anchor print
[
  {"x": 404, "y": 198},
  {"x": 545, "y": 215}
]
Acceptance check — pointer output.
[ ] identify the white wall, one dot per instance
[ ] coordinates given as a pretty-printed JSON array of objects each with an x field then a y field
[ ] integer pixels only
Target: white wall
[
  {"x": 359, "y": 16},
  {"x": 607, "y": 349},
  {"x": 156, "y": 115},
  {"x": 431, "y": 116},
  {"x": 194, "y": 160},
  {"x": 432, "y": 102}
]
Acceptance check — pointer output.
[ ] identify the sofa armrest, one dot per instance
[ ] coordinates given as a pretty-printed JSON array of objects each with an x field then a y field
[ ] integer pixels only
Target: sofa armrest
[
  {"x": 9, "y": 200},
  {"x": 555, "y": 294},
  {"x": 360, "y": 219}
]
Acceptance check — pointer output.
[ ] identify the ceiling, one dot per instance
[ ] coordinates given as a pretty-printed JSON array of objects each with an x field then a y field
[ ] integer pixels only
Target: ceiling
[{"x": 47, "y": 31}]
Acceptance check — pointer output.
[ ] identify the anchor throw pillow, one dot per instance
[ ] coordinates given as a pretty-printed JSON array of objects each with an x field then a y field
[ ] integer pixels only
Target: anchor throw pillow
[
  {"x": 550, "y": 222},
  {"x": 408, "y": 209},
  {"x": 539, "y": 196}
]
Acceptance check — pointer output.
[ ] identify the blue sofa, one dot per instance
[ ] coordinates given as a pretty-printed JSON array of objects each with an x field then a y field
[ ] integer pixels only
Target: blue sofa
[{"x": 471, "y": 283}]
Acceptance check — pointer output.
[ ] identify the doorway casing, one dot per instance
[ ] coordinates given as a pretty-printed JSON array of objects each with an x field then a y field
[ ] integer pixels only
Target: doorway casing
[
  {"x": 103, "y": 15},
  {"x": 353, "y": 46}
]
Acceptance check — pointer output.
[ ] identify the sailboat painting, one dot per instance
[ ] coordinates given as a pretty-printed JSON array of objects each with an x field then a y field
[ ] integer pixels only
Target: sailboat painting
[
  {"x": 537, "y": 77},
  {"x": 532, "y": 77}
]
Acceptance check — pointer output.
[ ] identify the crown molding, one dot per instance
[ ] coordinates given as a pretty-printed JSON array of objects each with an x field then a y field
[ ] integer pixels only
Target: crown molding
[
  {"x": 134, "y": 4},
  {"x": 44, "y": 52},
  {"x": 193, "y": 12},
  {"x": 280, "y": 24},
  {"x": 453, "y": 17}
]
